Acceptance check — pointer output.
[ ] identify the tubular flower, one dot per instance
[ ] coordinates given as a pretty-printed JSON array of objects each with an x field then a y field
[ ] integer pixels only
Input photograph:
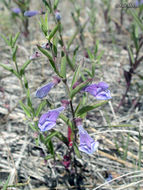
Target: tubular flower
[
  {"x": 48, "y": 120},
  {"x": 31, "y": 13},
  {"x": 87, "y": 144},
  {"x": 99, "y": 91},
  {"x": 139, "y": 3},
  {"x": 44, "y": 90},
  {"x": 16, "y": 10}
]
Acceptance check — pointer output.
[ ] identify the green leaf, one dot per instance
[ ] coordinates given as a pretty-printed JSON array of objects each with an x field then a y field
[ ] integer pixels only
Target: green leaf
[
  {"x": 72, "y": 38},
  {"x": 136, "y": 18},
  {"x": 87, "y": 108},
  {"x": 22, "y": 70},
  {"x": 54, "y": 46},
  {"x": 50, "y": 136},
  {"x": 62, "y": 138},
  {"x": 14, "y": 53},
  {"x": 10, "y": 40},
  {"x": 10, "y": 69},
  {"x": 6, "y": 184},
  {"x": 53, "y": 32},
  {"x": 63, "y": 67},
  {"x": 47, "y": 5},
  {"x": 56, "y": 2},
  {"x": 25, "y": 109},
  {"x": 15, "y": 39},
  {"x": 91, "y": 56},
  {"x": 76, "y": 150},
  {"x": 40, "y": 107},
  {"x": 70, "y": 62},
  {"x": 51, "y": 147},
  {"x": 96, "y": 47},
  {"x": 44, "y": 24},
  {"x": 66, "y": 120},
  {"x": 46, "y": 53},
  {"x": 87, "y": 71},
  {"x": 130, "y": 54},
  {"x": 75, "y": 76},
  {"x": 48, "y": 157},
  {"x": 79, "y": 87},
  {"x": 33, "y": 127},
  {"x": 5, "y": 39},
  {"x": 42, "y": 138}
]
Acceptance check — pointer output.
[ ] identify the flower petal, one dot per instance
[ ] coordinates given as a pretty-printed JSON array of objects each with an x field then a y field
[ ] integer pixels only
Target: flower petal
[
  {"x": 103, "y": 95},
  {"x": 30, "y": 13},
  {"x": 43, "y": 91},
  {"x": 87, "y": 144},
  {"x": 48, "y": 120},
  {"x": 46, "y": 126}
]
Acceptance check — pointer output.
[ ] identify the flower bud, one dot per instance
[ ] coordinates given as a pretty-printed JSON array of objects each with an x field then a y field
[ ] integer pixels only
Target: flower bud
[
  {"x": 58, "y": 15},
  {"x": 56, "y": 80}
]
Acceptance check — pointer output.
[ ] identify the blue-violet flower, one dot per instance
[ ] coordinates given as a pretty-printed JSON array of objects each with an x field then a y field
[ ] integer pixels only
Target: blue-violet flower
[
  {"x": 16, "y": 10},
  {"x": 31, "y": 13},
  {"x": 48, "y": 120},
  {"x": 139, "y": 3},
  {"x": 44, "y": 90},
  {"x": 87, "y": 144},
  {"x": 100, "y": 91}
]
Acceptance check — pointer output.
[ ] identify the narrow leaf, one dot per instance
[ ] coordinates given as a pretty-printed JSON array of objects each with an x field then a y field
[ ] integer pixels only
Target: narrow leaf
[
  {"x": 53, "y": 32},
  {"x": 40, "y": 107},
  {"x": 50, "y": 136},
  {"x": 25, "y": 109},
  {"x": 85, "y": 109},
  {"x": 10, "y": 69},
  {"x": 79, "y": 87},
  {"x": 24, "y": 67},
  {"x": 15, "y": 39},
  {"x": 46, "y": 53},
  {"x": 63, "y": 67},
  {"x": 76, "y": 150},
  {"x": 56, "y": 2},
  {"x": 14, "y": 53},
  {"x": 75, "y": 76}
]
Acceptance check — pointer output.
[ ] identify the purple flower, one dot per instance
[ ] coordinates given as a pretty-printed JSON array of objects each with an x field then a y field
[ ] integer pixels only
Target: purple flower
[
  {"x": 31, "y": 13},
  {"x": 139, "y": 3},
  {"x": 48, "y": 120},
  {"x": 16, "y": 10},
  {"x": 100, "y": 91},
  {"x": 87, "y": 144},
  {"x": 44, "y": 90},
  {"x": 58, "y": 15},
  {"x": 109, "y": 178}
]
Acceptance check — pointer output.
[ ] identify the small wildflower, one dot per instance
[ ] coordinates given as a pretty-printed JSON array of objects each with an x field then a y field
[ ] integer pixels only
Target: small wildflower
[
  {"x": 48, "y": 120},
  {"x": 109, "y": 178},
  {"x": 87, "y": 144},
  {"x": 16, "y": 10},
  {"x": 139, "y": 3},
  {"x": 44, "y": 90},
  {"x": 100, "y": 91},
  {"x": 35, "y": 55},
  {"x": 31, "y": 13},
  {"x": 58, "y": 15}
]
